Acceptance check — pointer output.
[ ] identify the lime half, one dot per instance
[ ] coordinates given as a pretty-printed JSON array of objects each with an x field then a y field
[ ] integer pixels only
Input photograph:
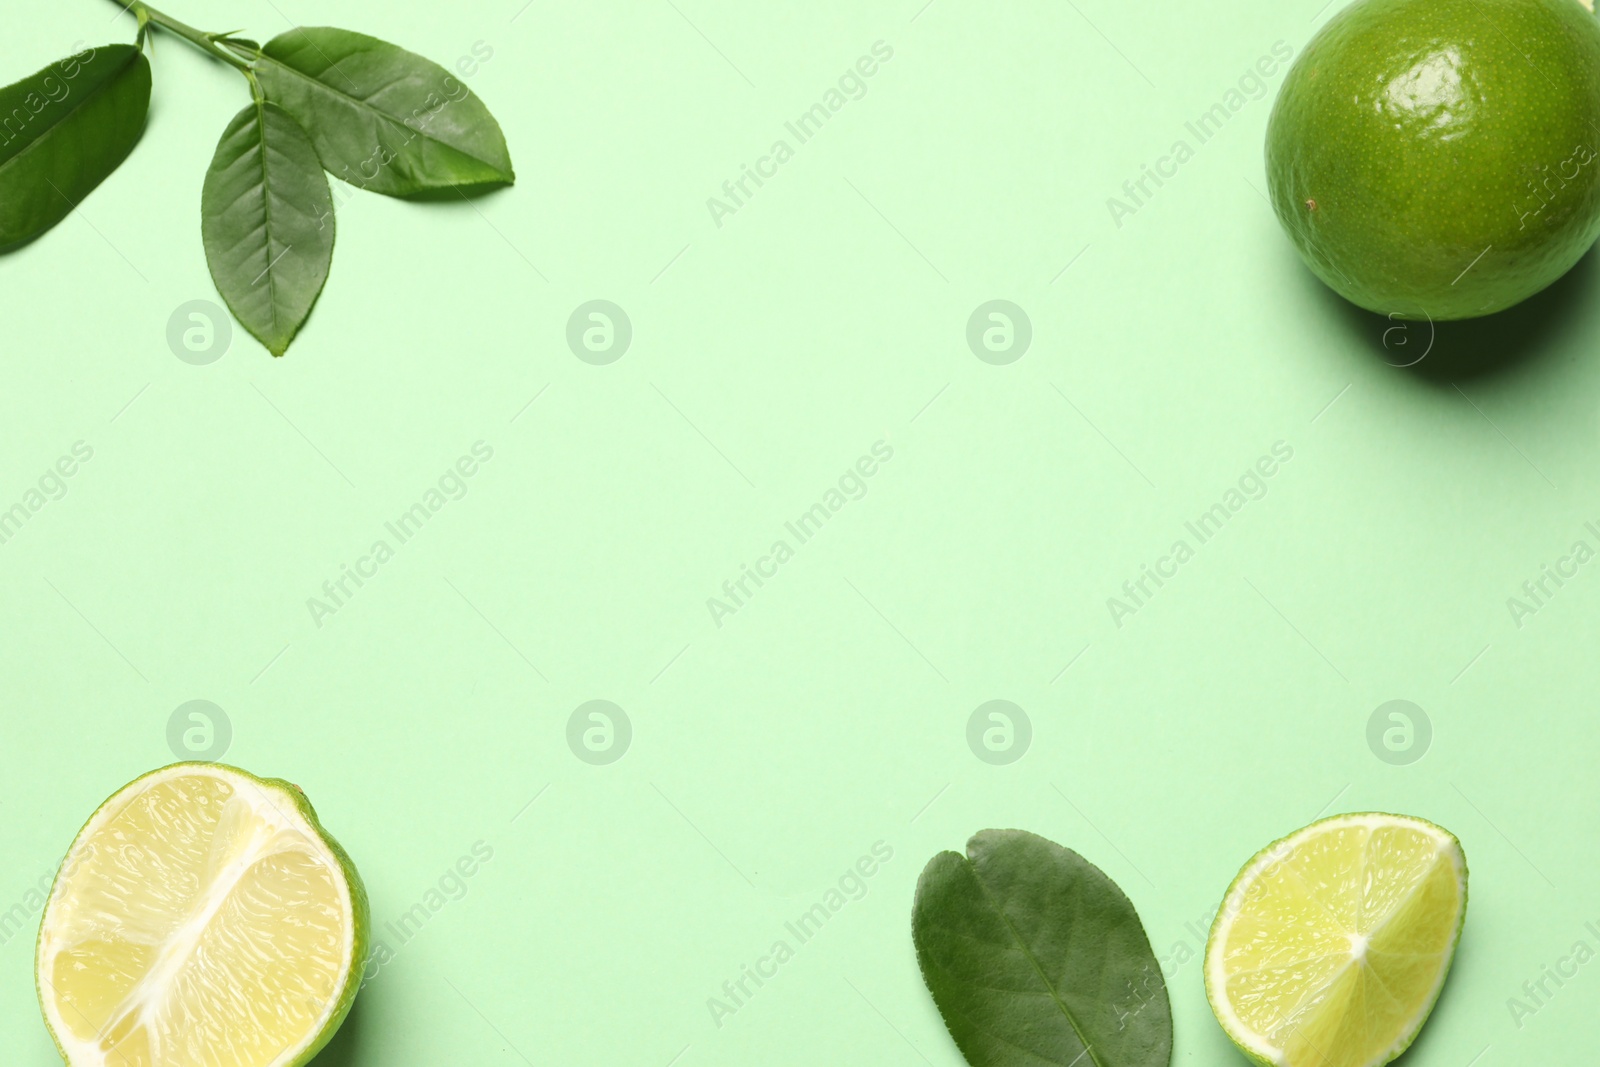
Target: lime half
[
  {"x": 1333, "y": 944},
  {"x": 202, "y": 917}
]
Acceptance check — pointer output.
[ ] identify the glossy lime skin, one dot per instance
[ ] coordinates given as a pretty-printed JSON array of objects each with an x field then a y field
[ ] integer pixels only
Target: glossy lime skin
[{"x": 1440, "y": 159}]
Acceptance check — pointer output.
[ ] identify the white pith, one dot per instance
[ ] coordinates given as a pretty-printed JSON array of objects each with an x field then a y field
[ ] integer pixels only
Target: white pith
[
  {"x": 279, "y": 811},
  {"x": 1215, "y": 972}
]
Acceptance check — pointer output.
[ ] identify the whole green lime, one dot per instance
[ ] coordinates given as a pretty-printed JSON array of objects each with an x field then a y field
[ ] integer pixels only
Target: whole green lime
[{"x": 1440, "y": 159}]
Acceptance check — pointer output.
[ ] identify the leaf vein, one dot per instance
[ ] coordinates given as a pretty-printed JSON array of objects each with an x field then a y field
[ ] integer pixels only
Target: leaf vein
[{"x": 1037, "y": 966}]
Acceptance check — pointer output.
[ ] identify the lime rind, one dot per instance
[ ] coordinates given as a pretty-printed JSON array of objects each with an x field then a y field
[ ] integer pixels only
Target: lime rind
[
  {"x": 358, "y": 934},
  {"x": 1253, "y": 1045},
  {"x": 1434, "y": 160}
]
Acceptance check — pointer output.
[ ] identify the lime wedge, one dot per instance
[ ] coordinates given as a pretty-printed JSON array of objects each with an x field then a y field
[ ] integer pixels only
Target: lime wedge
[
  {"x": 1333, "y": 944},
  {"x": 202, "y": 918}
]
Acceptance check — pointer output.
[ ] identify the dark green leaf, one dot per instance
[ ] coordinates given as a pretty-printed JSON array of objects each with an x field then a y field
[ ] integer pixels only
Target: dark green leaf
[
  {"x": 63, "y": 131},
  {"x": 267, "y": 217},
  {"x": 1034, "y": 956},
  {"x": 383, "y": 118}
]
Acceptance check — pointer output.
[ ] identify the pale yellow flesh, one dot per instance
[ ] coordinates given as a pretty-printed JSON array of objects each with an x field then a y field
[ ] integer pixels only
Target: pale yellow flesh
[
  {"x": 201, "y": 925},
  {"x": 1333, "y": 949}
]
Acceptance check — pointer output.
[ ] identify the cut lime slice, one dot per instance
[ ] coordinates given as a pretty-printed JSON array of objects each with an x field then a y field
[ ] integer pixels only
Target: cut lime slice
[
  {"x": 202, "y": 918},
  {"x": 1333, "y": 944}
]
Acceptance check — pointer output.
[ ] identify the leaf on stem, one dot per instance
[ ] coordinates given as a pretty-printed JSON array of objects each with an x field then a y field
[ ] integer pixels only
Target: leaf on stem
[
  {"x": 63, "y": 131},
  {"x": 1034, "y": 956},
  {"x": 267, "y": 219},
  {"x": 384, "y": 119}
]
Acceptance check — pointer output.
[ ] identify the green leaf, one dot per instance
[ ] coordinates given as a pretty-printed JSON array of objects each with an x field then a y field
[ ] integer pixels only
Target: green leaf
[
  {"x": 1034, "y": 956},
  {"x": 63, "y": 131},
  {"x": 267, "y": 217},
  {"x": 384, "y": 119}
]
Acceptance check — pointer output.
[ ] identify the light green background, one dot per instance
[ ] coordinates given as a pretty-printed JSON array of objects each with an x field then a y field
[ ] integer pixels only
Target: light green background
[{"x": 768, "y": 354}]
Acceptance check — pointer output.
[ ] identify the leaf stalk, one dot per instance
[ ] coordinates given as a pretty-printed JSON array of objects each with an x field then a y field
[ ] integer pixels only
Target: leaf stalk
[{"x": 216, "y": 45}]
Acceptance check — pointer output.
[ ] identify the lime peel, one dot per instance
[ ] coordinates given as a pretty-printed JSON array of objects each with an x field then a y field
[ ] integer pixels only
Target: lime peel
[{"x": 1449, "y": 147}]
